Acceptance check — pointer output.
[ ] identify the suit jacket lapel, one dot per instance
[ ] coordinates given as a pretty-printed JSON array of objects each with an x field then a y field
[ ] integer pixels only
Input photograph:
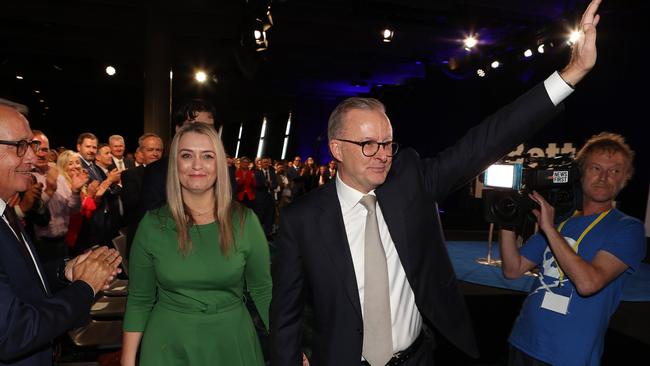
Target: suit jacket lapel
[
  {"x": 22, "y": 252},
  {"x": 336, "y": 242}
]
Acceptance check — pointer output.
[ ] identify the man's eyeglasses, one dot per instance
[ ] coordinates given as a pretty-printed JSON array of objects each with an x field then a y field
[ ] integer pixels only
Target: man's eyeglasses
[
  {"x": 371, "y": 148},
  {"x": 22, "y": 145}
]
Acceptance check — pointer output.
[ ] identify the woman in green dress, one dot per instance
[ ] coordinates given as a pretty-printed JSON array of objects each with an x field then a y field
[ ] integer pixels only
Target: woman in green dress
[{"x": 189, "y": 263}]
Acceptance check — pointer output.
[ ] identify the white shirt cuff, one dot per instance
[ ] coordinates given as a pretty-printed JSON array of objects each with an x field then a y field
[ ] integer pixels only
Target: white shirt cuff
[{"x": 557, "y": 88}]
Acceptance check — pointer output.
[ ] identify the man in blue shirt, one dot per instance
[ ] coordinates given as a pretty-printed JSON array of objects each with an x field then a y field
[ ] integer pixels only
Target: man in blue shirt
[{"x": 583, "y": 263}]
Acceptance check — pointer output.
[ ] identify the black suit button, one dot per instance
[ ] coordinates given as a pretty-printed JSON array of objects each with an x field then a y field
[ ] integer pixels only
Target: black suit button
[{"x": 360, "y": 330}]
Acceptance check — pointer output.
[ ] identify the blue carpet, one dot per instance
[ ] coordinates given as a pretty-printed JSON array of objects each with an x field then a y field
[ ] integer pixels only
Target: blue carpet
[{"x": 464, "y": 254}]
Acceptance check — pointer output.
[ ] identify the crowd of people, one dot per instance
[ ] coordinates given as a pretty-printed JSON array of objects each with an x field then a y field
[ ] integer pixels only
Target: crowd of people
[{"x": 358, "y": 239}]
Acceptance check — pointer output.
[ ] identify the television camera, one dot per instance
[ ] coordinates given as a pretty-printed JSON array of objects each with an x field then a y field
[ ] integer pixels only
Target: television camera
[{"x": 508, "y": 183}]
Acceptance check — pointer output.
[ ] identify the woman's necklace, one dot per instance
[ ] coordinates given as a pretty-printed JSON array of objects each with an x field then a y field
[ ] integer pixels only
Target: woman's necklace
[{"x": 197, "y": 213}]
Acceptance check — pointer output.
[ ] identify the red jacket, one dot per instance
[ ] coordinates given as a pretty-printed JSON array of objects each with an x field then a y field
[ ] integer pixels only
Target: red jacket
[{"x": 245, "y": 184}]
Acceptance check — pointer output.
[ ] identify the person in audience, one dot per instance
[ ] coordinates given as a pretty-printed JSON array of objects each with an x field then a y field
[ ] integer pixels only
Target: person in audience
[
  {"x": 61, "y": 199},
  {"x": 246, "y": 182},
  {"x": 105, "y": 222},
  {"x": 31, "y": 314},
  {"x": 117, "y": 145},
  {"x": 190, "y": 262},
  {"x": 265, "y": 184},
  {"x": 584, "y": 262},
  {"x": 132, "y": 189},
  {"x": 69, "y": 166},
  {"x": 368, "y": 251},
  {"x": 104, "y": 159}
]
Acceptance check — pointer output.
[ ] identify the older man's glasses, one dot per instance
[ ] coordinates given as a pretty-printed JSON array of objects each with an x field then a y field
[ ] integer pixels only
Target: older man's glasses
[
  {"x": 371, "y": 148},
  {"x": 22, "y": 145}
]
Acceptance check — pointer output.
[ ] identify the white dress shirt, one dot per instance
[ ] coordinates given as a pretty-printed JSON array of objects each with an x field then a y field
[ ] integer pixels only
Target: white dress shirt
[
  {"x": 405, "y": 317},
  {"x": 119, "y": 164}
]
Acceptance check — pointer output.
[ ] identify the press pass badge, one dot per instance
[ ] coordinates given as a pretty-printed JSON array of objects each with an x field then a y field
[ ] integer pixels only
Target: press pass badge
[{"x": 555, "y": 302}]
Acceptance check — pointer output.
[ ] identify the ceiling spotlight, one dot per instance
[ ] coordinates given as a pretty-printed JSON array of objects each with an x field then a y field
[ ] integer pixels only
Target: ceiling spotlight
[
  {"x": 540, "y": 48},
  {"x": 387, "y": 35},
  {"x": 19, "y": 77},
  {"x": 574, "y": 37},
  {"x": 41, "y": 101},
  {"x": 200, "y": 76},
  {"x": 480, "y": 73},
  {"x": 470, "y": 42},
  {"x": 528, "y": 53},
  {"x": 110, "y": 70},
  {"x": 37, "y": 91},
  {"x": 495, "y": 64},
  {"x": 259, "y": 36}
]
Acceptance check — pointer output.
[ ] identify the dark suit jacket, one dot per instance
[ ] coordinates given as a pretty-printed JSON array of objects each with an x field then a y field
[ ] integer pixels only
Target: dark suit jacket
[
  {"x": 103, "y": 226},
  {"x": 262, "y": 188},
  {"x": 131, "y": 192},
  {"x": 154, "y": 178},
  {"x": 313, "y": 251},
  {"x": 29, "y": 318}
]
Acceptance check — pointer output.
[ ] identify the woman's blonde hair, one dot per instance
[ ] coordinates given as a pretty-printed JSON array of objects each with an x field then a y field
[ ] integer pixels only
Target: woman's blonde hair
[
  {"x": 223, "y": 207},
  {"x": 62, "y": 164}
]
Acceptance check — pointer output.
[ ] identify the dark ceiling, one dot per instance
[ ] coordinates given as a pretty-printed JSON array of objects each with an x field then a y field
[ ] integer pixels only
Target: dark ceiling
[
  {"x": 315, "y": 47},
  {"x": 319, "y": 52},
  {"x": 322, "y": 50}
]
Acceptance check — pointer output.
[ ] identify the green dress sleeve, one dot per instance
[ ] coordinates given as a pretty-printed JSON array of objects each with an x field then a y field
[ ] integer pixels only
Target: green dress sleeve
[
  {"x": 258, "y": 266},
  {"x": 142, "y": 279}
]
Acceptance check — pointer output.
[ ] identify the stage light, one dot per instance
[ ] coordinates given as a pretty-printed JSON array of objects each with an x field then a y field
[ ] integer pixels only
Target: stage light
[
  {"x": 257, "y": 34},
  {"x": 171, "y": 75},
  {"x": 241, "y": 129},
  {"x": 19, "y": 77},
  {"x": 387, "y": 35},
  {"x": 286, "y": 137},
  {"x": 37, "y": 91},
  {"x": 470, "y": 42},
  {"x": 495, "y": 64},
  {"x": 200, "y": 76},
  {"x": 480, "y": 72},
  {"x": 110, "y": 70},
  {"x": 528, "y": 53},
  {"x": 574, "y": 37},
  {"x": 260, "y": 146},
  {"x": 540, "y": 48}
]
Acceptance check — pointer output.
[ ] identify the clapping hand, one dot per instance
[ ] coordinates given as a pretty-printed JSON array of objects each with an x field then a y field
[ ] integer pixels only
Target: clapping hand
[{"x": 97, "y": 267}]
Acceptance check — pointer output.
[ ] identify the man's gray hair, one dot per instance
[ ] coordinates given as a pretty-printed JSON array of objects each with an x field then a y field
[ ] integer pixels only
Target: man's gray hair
[
  {"x": 115, "y": 138},
  {"x": 146, "y": 136},
  {"x": 335, "y": 123}
]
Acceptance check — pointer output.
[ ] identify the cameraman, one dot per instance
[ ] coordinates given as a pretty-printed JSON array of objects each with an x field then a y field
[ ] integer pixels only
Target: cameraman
[{"x": 583, "y": 263}]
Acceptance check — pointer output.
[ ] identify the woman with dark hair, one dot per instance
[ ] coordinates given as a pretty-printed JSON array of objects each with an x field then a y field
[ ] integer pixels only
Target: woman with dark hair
[{"x": 189, "y": 263}]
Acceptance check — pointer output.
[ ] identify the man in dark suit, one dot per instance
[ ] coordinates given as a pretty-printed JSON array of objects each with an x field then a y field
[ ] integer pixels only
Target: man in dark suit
[
  {"x": 116, "y": 143},
  {"x": 264, "y": 205},
  {"x": 151, "y": 146},
  {"x": 370, "y": 246},
  {"x": 105, "y": 222},
  {"x": 31, "y": 316}
]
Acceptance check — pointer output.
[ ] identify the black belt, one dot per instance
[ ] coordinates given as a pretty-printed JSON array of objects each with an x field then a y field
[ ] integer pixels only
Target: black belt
[{"x": 403, "y": 355}]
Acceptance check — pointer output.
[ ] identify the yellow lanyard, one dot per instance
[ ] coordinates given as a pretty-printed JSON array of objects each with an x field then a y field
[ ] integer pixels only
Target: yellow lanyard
[{"x": 584, "y": 233}]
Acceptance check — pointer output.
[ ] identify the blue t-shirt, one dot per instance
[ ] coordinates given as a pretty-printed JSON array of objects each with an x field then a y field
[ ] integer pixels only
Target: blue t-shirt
[{"x": 576, "y": 338}]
